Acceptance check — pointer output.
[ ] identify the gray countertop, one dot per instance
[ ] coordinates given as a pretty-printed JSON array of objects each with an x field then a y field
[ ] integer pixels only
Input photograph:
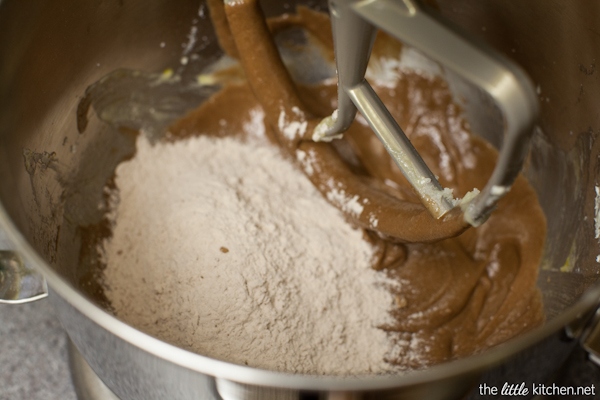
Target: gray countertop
[{"x": 33, "y": 354}]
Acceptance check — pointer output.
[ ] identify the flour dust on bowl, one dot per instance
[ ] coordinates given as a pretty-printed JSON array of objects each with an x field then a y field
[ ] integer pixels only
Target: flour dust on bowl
[{"x": 135, "y": 86}]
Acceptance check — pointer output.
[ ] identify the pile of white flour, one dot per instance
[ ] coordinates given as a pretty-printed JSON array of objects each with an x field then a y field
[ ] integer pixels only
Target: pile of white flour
[{"x": 226, "y": 249}]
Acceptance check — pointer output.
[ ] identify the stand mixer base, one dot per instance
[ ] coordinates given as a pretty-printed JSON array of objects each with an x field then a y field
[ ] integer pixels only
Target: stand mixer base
[{"x": 88, "y": 385}]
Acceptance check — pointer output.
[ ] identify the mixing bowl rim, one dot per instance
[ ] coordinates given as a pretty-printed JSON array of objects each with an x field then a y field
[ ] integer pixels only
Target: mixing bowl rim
[{"x": 255, "y": 376}]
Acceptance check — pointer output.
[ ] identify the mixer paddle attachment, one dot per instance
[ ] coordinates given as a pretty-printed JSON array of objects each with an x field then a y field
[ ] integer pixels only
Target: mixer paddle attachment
[
  {"x": 295, "y": 129},
  {"x": 354, "y": 24}
]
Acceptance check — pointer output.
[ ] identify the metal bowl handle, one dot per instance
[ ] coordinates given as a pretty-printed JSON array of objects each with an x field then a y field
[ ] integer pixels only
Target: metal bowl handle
[{"x": 18, "y": 282}]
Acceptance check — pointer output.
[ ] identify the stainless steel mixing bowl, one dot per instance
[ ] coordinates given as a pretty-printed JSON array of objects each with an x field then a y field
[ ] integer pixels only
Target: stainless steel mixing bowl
[{"x": 55, "y": 158}]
